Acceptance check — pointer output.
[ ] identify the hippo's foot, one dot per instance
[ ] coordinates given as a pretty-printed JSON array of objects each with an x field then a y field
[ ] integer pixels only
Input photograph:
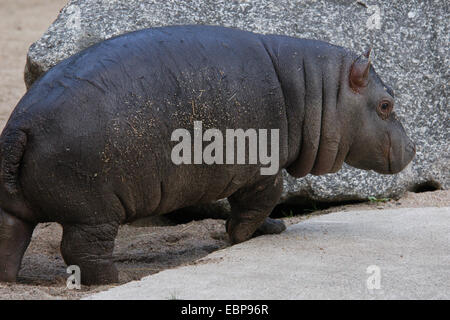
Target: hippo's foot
[
  {"x": 15, "y": 236},
  {"x": 90, "y": 247},
  {"x": 270, "y": 226},
  {"x": 250, "y": 207}
]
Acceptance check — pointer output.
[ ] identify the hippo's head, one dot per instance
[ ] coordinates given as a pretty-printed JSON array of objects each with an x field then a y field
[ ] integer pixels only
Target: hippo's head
[{"x": 378, "y": 141}]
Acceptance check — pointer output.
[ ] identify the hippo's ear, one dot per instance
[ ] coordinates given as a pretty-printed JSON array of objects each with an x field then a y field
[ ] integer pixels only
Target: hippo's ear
[{"x": 359, "y": 72}]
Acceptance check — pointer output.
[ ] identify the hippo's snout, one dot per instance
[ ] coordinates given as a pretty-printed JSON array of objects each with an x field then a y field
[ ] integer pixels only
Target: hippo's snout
[
  {"x": 400, "y": 157},
  {"x": 410, "y": 152},
  {"x": 411, "y": 149},
  {"x": 386, "y": 153}
]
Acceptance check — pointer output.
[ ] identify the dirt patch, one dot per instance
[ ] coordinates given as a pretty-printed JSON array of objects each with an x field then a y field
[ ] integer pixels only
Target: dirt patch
[{"x": 139, "y": 251}]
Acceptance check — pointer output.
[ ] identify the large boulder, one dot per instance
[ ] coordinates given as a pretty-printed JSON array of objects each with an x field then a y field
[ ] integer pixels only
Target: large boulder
[{"x": 410, "y": 52}]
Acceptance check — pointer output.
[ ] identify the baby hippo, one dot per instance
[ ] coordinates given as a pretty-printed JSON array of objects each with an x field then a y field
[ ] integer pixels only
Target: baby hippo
[{"x": 103, "y": 138}]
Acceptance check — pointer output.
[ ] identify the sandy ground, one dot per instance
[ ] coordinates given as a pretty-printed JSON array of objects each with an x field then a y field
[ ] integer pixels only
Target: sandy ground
[
  {"x": 139, "y": 251},
  {"x": 21, "y": 23}
]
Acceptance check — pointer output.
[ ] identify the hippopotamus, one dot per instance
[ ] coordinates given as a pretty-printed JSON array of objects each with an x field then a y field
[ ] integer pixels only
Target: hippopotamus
[{"x": 90, "y": 145}]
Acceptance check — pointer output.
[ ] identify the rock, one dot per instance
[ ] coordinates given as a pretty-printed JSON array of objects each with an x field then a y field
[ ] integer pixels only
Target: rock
[{"x": 410, "y": 52}]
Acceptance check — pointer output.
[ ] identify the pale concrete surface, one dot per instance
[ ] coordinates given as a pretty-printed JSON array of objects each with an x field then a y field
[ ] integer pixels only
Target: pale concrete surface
[{"x": 325, "y": 257}]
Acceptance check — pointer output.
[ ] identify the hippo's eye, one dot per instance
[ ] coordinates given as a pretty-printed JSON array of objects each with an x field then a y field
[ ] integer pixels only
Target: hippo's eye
[{"x": 384, "y": 109}]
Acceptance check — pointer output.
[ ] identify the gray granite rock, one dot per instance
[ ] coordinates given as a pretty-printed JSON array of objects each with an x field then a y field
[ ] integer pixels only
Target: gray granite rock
[{"x": 410, "y": 41}]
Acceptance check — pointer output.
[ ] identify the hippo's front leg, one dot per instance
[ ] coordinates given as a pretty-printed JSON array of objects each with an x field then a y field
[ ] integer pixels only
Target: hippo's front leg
[
  {"x": 90, "y": 247},
  {"x": 250, "y": 207},
  {"x": 270, "y": 226}
]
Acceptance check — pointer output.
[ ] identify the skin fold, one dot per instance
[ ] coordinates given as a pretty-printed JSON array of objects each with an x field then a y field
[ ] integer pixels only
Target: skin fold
[{"x": 89, "y": 146}]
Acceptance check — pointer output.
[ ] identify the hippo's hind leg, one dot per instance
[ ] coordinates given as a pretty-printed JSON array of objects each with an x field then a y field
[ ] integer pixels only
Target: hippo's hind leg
[
  {"x": 15, "y": 236},
  {"x": 90, "y": 247},
  {"x": 250, "y": 207}
]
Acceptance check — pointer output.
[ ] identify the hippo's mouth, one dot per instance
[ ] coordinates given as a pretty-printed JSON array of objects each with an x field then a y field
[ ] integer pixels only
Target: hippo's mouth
[
  {"x": 389, "y": 155},
  {"x": 385, "y": 164}
]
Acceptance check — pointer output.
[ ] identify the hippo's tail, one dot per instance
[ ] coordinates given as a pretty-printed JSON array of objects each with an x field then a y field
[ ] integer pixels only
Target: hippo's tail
[{"x": 12, "y": 148}]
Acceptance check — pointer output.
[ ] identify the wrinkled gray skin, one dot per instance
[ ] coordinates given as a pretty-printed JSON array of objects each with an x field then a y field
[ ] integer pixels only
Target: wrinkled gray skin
[{"x": 89, "y": 146}]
